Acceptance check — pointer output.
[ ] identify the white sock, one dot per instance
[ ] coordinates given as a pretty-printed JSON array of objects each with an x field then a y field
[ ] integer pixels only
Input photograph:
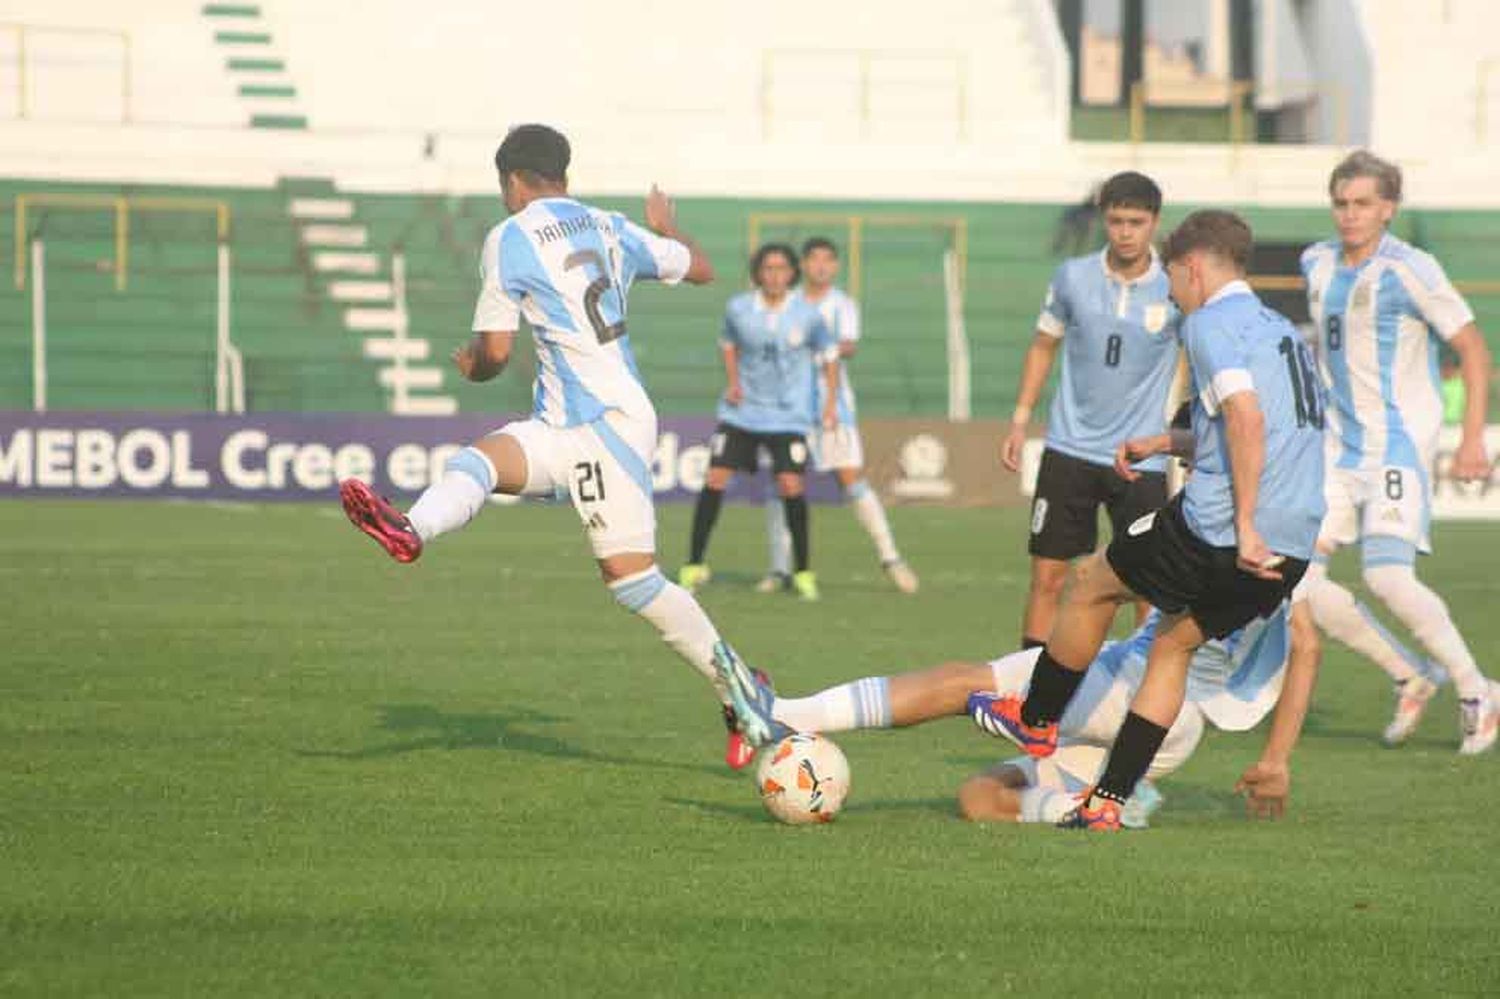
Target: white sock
[
  {"x": 864, "y": 703},
  {"x": 680, "y": 619},
  {"x": 1425, "y": 614},
  {"x": 778, "y": 536},
  {"x": 871, "y": 516},
  {"x": 452, "y": 501},
  {"x": 1350, "y": 622}
]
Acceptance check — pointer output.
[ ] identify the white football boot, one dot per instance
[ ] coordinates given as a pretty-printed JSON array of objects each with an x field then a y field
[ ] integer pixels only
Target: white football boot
[
  {"x": 1412, "y": 697},
  {"x": 1479, "y": 720}
]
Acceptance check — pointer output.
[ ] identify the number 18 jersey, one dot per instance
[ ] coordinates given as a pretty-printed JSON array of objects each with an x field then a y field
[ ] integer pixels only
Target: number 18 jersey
[
  {"x": 1119, "y": 352},
  {"x": 567, "y": 267}
]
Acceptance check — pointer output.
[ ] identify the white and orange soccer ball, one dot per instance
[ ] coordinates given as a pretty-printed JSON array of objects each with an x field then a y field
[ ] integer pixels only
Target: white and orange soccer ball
[{"x": 803, "y": 778}]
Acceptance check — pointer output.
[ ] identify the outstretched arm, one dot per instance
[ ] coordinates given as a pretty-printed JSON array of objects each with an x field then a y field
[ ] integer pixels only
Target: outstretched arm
[{"x": 1266, "y": 784}]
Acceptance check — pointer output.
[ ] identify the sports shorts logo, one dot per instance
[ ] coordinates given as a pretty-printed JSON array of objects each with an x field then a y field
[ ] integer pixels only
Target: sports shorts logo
[
  {"x": 1039, "y": 515},
  {"x": 1141, "y": 525},
  {"x": 798, "y": 451}
]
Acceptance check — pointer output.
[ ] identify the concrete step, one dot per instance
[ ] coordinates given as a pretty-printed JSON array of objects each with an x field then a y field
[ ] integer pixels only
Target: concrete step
[
  {"x": 325, "y": 234},
  {"x": 424, "y": 405},
  {"x": 360, "y": 291},
  {"x": 383, "y": 320},
  {"x": 387, "y": 348},
  {"x": 346, "y": 263},
  {"x": 321, "y": 208},
  {"x": 412, "y": 377}
]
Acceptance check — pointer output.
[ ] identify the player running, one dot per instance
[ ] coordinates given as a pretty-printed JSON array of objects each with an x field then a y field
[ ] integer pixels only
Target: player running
[
  {"x": 1232, "y": 684},
  {"x": 1229, "y": 548},
  {"x": 1111, "y": 315},
  {"x": 774, "y": 346},
  {"x": 566, "y": 267},
  {"x": 1382, "y": 308},
  {"x": 838, "y": 450}
]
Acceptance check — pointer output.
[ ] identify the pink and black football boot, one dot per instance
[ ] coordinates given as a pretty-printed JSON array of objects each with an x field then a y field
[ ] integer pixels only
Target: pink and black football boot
[{"x": 374, "y": 515}]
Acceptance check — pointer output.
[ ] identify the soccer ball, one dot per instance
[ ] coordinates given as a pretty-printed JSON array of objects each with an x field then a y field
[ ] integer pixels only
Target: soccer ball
[{"x": 803, "y": 778}]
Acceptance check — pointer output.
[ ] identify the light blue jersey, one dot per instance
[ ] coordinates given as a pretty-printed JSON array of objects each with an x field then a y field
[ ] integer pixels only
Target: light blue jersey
[
  {"x": 1235, "y": 680},
  {"x": 781, "y": 350},
  {"x": 1379, "y": 326},
  {"x": 1119, "y": 353},
  {"x": 842, "y": 316},
  {"x": 567, "y": 268},
  {"x": 1236, "y": 344}
]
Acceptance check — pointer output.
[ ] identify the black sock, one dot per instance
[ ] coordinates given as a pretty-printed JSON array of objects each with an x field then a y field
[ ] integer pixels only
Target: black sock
[
  {"x": 796, "y": 523},
  {"x": 1135, "y": 747},
  {"x": 704, "y": 515},
  {"x": 1052, "y": 687},
  {"x": 1027, "y": 642}
]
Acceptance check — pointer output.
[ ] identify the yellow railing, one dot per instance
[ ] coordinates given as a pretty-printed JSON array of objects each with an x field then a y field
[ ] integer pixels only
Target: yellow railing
[
  {"x": 1238, "y": 96},
  {"x": 121, "y": 207},
  {"x": 23, "y": 85},
  {"x": 865, "y": 63},
  {"x": 855, "y": 228}
]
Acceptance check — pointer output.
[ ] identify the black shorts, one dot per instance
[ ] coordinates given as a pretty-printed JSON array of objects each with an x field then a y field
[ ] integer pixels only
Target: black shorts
[
  {"x": 1069, "y": 492},
  {"x": 739, "y": 449},
  {"x": 1166, "y": 564}
]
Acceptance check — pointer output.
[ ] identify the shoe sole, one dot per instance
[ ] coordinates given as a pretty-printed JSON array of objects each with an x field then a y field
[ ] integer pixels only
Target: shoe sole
[{"x": 363, "y": 508}]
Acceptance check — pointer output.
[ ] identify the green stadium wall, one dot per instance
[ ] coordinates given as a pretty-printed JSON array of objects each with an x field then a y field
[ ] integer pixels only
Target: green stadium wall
[{"x": 151, "y": 345}]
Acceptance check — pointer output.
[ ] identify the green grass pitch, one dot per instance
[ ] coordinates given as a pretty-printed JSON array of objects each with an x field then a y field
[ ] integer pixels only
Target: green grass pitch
[{"x": 242, "y": 753}]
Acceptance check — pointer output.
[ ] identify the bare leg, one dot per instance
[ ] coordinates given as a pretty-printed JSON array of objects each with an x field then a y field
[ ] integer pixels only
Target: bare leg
[
  {"x": 1048, "y": 575},
  {"x": 1084, "y": 618},
  {"x": 993, "y": 796}
]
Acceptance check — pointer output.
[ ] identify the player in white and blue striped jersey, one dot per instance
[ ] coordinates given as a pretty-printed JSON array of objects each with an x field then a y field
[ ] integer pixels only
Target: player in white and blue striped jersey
[
  {"x": 1382, "y": 309},
  {"x": 1111, "y": 318},
  {"x": 566, "y": 267},
  {"x": 838, "y": 449},
  {"x": 1267, "y": 667},
  {"x": 774, "y": 346}
]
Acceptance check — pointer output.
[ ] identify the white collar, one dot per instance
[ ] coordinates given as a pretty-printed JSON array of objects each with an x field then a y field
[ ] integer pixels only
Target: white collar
[
  {"x": 1235, "y": 287},
  {"x": 1151, "y": 271},
  {"x": 761, "y": 305}
]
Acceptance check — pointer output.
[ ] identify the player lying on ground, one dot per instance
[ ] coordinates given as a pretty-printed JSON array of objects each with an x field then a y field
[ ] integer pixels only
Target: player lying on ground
[
  {"x": 838, "y": 449},
  {"x": 1232, "y": 684},
  {"x": 1381, "y": 308},
  {"x": 1109, "y": 316},
  {"x": 566, "y": 267},
  {"x": 1234, "y": 542},
  {"x": 774, "y": 346}
]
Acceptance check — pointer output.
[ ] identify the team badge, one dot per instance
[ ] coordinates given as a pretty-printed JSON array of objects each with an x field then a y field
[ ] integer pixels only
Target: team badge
[
  {"x": 1155, "y": 317},
  {"x": 795, "y": 336},
  {"x": 1361, "y": 298}
]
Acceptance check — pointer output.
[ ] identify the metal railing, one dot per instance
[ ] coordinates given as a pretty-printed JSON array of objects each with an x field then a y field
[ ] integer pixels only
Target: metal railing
[
  {"x": 23, "y": 32},
  {"x": 229, "y": 364}
]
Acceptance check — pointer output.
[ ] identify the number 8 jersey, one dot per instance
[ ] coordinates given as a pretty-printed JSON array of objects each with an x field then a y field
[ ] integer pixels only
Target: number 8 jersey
[
  {"x": 1119, "y": 352},
  {"x": 567, "y": 268},
  {"x": 1378, "y": 325}
]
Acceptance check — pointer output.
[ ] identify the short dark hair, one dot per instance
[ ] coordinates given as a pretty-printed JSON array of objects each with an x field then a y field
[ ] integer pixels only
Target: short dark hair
[
  {"x": 1212, "y": 230},
  {"x": 818, "y": 243},
  {"x": 1363, "y": 163},
  {"x": 538, "y": 150},
  {"x": 758, "y": 259},
  {"x": 1130, "y": 190}
]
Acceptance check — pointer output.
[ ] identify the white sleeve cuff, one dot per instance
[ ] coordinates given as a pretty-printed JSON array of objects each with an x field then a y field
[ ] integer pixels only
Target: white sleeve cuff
[
  {"x": 1049, "y": 324},
  {"x": 1225, "y": 384}
]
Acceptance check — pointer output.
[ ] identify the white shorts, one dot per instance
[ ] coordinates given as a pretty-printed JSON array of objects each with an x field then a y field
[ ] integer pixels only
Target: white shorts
[
  {"x": 1088, "y": 728},
  {"x": 1390, "y": 501},
  {"x": 605, "y": 468},
  {"x": 838, "y": 448}
]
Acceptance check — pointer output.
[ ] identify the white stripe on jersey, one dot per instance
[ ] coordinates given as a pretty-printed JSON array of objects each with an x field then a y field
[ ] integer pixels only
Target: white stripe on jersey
[
  {"x": 1375, "y": 336},
  {"x": 841, "y": 314}
]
